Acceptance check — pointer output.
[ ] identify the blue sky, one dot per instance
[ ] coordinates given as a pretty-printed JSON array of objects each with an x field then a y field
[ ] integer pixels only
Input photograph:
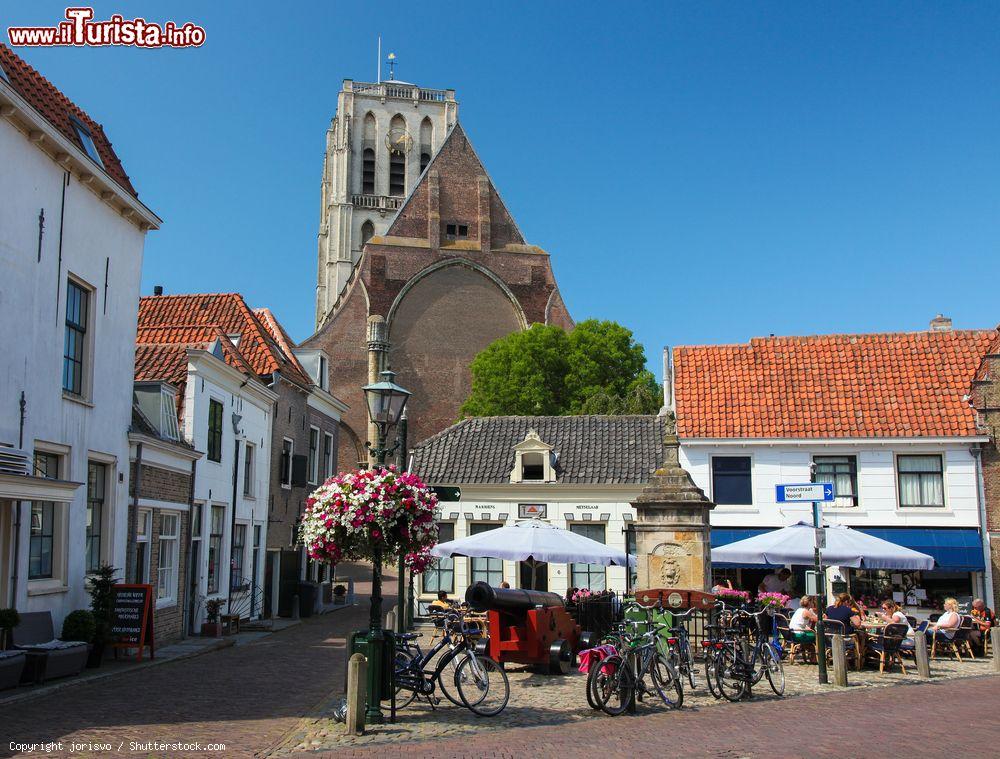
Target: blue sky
[{"x": 701, "y": 172}]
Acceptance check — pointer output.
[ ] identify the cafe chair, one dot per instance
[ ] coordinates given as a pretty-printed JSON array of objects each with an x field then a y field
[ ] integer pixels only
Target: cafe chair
[
  {"x": 793, "y": 646},
  {"x": 943, "y": 642},
  {"x": 962, "y": 636},
  {"x": 833, "y": 627},
  {"x": 887, "y": 646}
]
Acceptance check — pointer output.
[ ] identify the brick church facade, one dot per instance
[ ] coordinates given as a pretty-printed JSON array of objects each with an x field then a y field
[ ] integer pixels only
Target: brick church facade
[{"x": 451, "y": 274}]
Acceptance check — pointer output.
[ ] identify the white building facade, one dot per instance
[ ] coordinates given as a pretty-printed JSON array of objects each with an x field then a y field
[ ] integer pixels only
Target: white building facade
[
  {"x": 830, "y": 409},
  {"x": 72, "y": 232},
  {"x": 380, "y": 140},
  {"x": 580, "y": 473}
]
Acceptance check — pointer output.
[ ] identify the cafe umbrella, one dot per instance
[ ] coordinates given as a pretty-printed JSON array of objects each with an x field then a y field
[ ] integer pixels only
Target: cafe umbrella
[
  {"x": 845, "y": 547},
  {"x": 534, "y": 540}
]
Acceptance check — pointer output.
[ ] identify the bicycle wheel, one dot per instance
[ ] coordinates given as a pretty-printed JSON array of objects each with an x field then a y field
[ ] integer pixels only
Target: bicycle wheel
[
  {"x": 403, "y": 667},
  {"x": 596, "y": 679},
  {"x": 618, "y": 689},
  {"x": 483, "y": 685},
  {"x": 713, "y": 686},
  {"x": 775, "y": 672},
  {"x": 448, "y": 676},
  {"x": 667, "y": 682},
  {"x": 728, "y": 676}
]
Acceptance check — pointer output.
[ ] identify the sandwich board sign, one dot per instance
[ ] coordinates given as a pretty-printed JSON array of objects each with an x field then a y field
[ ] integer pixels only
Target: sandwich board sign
[{"x": 810, "y": 492}]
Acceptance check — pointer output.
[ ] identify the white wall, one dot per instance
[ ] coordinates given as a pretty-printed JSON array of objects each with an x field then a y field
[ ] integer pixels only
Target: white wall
[
  {"x": 877, "y": 503},
  {"x": 214, "y": 481},
  {"x": 32, "y": 312}
]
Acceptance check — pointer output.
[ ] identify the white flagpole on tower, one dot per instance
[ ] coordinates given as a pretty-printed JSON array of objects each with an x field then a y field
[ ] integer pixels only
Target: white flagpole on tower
[{"x": 378, "y": 61}]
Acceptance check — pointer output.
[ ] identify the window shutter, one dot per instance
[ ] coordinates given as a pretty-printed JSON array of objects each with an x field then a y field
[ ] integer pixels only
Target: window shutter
[{"x": 299, "y": 466}]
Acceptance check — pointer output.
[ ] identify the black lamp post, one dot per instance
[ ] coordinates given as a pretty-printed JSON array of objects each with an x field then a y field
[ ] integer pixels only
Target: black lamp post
[{"x": 386, "y": 401}]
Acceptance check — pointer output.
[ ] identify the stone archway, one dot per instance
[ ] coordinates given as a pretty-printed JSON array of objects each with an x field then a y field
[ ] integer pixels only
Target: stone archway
[{"x": 437, "y": 326}]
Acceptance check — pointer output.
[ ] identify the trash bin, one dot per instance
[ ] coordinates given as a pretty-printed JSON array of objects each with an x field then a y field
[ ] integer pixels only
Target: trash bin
[{"x": 307, "y": 598}]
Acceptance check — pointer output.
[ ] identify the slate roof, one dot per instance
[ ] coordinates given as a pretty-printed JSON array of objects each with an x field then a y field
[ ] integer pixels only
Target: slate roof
[
  {"x": 830, "y": 386},
  {"x": 57, "y": 109},
  {"x": 591, "y": 449}
]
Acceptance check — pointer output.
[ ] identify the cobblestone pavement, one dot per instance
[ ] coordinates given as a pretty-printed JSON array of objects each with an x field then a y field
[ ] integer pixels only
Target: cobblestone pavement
[
  {"x": 539, "y": 700},
  {"x": 246, "y": 697}
]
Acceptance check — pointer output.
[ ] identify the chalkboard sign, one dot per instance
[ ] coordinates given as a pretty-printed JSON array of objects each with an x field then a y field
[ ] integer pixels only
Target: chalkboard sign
[{"x": 132, "y": 618}]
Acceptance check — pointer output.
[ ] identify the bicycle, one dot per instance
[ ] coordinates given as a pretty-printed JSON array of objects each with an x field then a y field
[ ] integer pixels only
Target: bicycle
[
  {"x": 617, "y": 681},
  {"x": 681, "y": 655},
  {"x": 474, "y": 676},
  {"x": 738, "y": 666}
]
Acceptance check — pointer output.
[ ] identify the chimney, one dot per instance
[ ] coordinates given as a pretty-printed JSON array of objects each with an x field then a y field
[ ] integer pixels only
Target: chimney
[
  {"x": 157, "y": 289},
  {"x": 941, "y": 323}
]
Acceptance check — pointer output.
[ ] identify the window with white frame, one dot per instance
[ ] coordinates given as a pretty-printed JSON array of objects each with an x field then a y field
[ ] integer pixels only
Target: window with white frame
[
  {"x": 731, "y": 484},
  {"x": 169, "y": 557},
  {"x": 239, "y": 553},
  {"x": 248, "y": 470},
  {"x": 323, "y": 379},
  {"x": 142, "y": 535},
  {"x": 75, "y": 338},
  {"x": 313, "y": 455},
  {"x": 441, "y": 574},
  {"x": 97, "y": 478},
  {"x": 842, "y": 473},
  {"x": 215, "y": 547},
  {"x": 46, "y": 544},
  {"x": 592, "y": 576},
  {"x": 86, "y": 140},
  {"x": 327, "y": 455},
  {"x": 485, "y": 570},
  {"x": 921, "y": 480},
  {"x": 287, "y": 450}
]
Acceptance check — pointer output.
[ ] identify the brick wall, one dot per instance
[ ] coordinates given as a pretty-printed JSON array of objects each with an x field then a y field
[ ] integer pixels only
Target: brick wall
[
  {"x": 293, "y": 418},
  {"x": 986, "y": 400},
  {"x": 450, "y": 314},
  {"x": 161, "y": 484},
  {"x": 168, "y": 621}
]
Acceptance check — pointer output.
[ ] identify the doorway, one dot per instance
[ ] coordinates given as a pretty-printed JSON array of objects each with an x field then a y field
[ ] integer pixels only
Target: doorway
[{"x": 533, "y": 575}]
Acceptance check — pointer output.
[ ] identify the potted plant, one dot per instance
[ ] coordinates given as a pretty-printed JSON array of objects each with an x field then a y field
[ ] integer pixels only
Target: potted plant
[
  {"x": 212, "y": 627},
  {"x": 732, "y": 597},
  {"x": 9, "y": 619},
  {"x": 102, "y": 601},
  {"x": 339, "y": 594}
]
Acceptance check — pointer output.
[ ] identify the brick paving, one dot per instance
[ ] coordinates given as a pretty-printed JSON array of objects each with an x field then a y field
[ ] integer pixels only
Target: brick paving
[
  {"x": 246, "y": 696},
  {"x": 950, "y": 717}
]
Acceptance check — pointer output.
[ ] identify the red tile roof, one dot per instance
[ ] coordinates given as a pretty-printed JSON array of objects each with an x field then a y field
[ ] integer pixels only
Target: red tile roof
[
  {"x": 274, "y": 328},
  {"x": 195, "y": 321},
  {"x": 830, "y": 386},
  {"x": 57, "y": 109}
]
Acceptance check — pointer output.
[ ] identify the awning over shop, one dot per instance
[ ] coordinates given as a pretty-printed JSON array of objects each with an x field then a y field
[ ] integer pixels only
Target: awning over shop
[{"x": 954, "y": 549}]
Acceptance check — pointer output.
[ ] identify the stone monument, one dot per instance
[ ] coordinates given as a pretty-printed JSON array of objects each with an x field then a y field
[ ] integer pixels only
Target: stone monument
[{"x": 673, "y": 543}]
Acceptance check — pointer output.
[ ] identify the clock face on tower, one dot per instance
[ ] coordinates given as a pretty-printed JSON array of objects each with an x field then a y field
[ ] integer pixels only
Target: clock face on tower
[{"x": 398, "y": 141}]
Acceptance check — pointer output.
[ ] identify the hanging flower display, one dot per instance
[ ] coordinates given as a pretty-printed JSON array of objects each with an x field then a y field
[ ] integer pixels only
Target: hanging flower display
[
  {"x": 772, "y": 599},
  {"x": 349, "y": 515},
  {"x": 732, "y": 596}
]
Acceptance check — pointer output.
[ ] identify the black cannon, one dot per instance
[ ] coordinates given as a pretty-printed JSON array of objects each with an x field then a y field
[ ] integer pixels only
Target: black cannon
[{"x": 528, "y": 626}]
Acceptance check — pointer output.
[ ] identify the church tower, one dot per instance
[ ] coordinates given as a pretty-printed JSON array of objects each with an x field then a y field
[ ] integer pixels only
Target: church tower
[{"x": 381, "y": 139}]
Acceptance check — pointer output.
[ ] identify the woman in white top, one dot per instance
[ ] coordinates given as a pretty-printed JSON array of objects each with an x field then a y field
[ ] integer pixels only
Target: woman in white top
[
  {"x": 947, "y": 623},
  {"x": 893, "y": 615},
  {"x": 803, "y": 620}
]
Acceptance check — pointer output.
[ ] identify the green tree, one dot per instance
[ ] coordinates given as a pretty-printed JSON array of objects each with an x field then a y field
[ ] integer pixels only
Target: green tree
[{"x": 598, "y": 368}]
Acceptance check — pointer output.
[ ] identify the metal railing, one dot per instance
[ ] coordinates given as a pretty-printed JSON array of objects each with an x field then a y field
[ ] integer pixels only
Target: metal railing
[
  {"x": 246, "y": 600},
  {"x": 402, "y": 91}
]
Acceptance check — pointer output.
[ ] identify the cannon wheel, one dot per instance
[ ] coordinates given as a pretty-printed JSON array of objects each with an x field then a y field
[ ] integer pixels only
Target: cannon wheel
[
  {"x": 560, "y": 657},
  {"x": 588, "y": 640}
]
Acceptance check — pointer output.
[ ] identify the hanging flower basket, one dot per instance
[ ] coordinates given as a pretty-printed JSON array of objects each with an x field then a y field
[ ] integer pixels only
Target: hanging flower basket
[
  {"x": 352, "y": 514},
  {"x": 732, "y": 597}
]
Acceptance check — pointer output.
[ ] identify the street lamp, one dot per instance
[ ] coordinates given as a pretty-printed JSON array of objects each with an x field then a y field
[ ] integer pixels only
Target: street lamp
[{"x": 386, "y": 401}]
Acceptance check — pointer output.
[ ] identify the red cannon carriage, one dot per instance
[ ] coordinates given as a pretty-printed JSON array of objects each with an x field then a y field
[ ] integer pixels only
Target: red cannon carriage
[{"x": 528, "y": 627}]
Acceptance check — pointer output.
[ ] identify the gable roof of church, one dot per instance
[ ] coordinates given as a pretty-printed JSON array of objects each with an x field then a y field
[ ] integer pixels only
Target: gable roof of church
[{"x": 450, "y": 144}]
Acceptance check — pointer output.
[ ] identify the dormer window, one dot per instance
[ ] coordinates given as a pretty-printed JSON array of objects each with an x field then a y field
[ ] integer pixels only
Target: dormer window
[
  {"x": 533, "y": 460},
  {"x": 87, "y": 140},
  {"x": 158, "y": 403}
]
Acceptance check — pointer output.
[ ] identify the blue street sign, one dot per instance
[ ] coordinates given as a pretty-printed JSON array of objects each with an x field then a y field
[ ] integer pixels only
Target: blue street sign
[{"x": 811, "y": 492}]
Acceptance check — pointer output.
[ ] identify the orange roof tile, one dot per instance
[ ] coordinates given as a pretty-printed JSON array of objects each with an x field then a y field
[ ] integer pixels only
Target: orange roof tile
[
  {"x": 830, "y": 386},
  {"x": 196, "y": 320},
  {"x": 58, "y": 110}
]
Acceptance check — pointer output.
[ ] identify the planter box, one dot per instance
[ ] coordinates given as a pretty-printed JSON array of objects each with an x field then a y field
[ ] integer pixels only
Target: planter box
[
  {"x": 11, "y": 666},
  {"x": 211, "y": 629}
]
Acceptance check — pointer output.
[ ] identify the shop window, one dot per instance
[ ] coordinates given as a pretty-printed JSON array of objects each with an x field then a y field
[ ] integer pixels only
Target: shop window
[
  {"x": 441, "y": 574},
  {"x": 731, "y": 483},
  {"x": 485, "y": 570},
  {"x": 592, "y": 576}
]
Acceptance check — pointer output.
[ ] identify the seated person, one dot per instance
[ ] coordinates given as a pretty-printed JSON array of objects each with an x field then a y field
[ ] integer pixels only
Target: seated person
[
  {"x": 441, "y": 603},
  {"x": 843, "y": 611},
  {"x": 893, "y": 614},
  {"x": 728, "y": 584},
  {"x": 947, "y": 624},
  {"x": 983, "y": 619},
  {"x": 776, "y": 582},
  {"x": 504, "y": 585},
  {"x": 803, "y": 620}
]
